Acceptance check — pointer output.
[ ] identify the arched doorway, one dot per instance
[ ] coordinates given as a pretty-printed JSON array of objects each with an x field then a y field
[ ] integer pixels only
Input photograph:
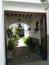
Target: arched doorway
[{"x": 34, "y": 29}]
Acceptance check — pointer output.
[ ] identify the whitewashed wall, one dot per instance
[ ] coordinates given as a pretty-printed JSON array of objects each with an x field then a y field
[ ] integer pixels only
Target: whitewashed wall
[
  {"x": 35, "y": 18},
  {"x": 30, "y": 1},
  {"x": 48, "y": 34},
  {"x": 21, "y": 6},
  {"x": 48, "y": 21},
  {"x": 2, "y": 44}
]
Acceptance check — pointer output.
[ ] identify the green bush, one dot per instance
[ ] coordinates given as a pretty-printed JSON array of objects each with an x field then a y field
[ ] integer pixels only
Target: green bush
[
  {"x": 24, "y": 39},
  {"x": 27, "y": 40},
  {"x": 16, "y": 37},
  {"x": 9, "y": 32},
  {"x": 16, "y": 30},
  {"x": 11, "y": 43}
]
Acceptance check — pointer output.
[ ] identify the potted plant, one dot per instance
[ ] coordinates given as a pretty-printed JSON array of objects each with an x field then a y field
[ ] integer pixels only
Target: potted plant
[{"x": 10, "y": 47}]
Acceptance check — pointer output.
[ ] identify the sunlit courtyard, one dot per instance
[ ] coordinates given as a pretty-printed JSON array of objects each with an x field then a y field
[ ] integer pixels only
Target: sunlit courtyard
[{"x": 21, "y": 43}]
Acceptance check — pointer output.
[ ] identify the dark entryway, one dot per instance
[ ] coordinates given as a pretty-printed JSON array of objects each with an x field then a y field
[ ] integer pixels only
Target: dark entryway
[{"x": 43, "y": 36}]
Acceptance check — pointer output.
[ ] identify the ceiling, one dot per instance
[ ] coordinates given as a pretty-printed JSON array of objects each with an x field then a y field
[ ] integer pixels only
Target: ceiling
[{"x": 21, "y": 14}]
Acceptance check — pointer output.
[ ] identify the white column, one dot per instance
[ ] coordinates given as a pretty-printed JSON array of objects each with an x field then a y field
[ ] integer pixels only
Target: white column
[{"x": 2, "y": 43}]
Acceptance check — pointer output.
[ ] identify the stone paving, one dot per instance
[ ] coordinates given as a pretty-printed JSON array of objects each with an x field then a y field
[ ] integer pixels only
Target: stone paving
[
  {"x": 24, "y": 60},
  {"x": 32, "y": 63},
  {"x": 31, "y": 59},
  {"x": 37, "y": 63}
]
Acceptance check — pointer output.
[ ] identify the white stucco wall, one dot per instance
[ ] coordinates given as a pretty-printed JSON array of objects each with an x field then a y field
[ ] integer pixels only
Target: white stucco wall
[
  {"x": 21, "y": 6},
  {"x": 48, "y": 21},
  {"x": 48, "y": 34},
  {"x": 30, "y": 1},
  {"x": 2, "y": 44},
  {"x": 35, "y": 18}
]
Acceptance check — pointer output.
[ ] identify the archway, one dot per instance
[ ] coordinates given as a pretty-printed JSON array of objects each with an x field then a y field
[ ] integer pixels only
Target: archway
[
  {"x": 32, "y": 19},
  {"x": 18, "y": 31}
]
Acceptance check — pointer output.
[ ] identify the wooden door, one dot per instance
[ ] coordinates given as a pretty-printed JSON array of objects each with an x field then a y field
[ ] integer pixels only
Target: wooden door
[{"x": 43, "y": 31}]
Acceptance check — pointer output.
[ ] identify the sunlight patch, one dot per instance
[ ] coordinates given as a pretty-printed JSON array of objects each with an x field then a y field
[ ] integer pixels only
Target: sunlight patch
[{"x": 21, "y": 43}]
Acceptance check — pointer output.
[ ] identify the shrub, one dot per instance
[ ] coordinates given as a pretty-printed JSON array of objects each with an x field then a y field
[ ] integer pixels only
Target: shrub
[
  {"x": 9, "y": 32},
  {"x": 24, "y": 39},
  {"x": 11, "y": 43},
  {"x": 16, "y": 37},
  {"x": 27, "y": 40},
  {"x": 16, "y": 30}
]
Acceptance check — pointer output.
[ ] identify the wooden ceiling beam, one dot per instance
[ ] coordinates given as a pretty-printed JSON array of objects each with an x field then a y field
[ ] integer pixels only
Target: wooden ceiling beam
[{"x": 19, "y": 12}]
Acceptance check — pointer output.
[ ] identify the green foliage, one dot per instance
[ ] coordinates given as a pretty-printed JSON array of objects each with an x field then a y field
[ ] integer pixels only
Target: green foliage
[
  {"x": 16, "y": 37},
  {"x": 16, "y": 30},
  {"x": 11, "y": 43},
  {"x": 9, "y": 32},
  {"x": 24, "y": 39},
  {"x": 27, "y": 40},
  {"x": 32, "y": 43},
  {"x": 22, "y": 29}
]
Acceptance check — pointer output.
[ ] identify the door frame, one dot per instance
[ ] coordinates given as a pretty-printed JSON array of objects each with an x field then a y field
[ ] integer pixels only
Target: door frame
[
  {"x": 45, "y": 39},
  {"x": 43, "y": 31}
]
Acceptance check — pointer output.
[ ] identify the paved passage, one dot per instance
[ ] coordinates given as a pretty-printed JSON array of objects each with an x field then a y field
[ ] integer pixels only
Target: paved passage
[
  {"x": 37, "y": 63},
  {"x": 28, "y": 59},
  {"x": 23, "y": 60},
  {"x": 33, "y": 63}
]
